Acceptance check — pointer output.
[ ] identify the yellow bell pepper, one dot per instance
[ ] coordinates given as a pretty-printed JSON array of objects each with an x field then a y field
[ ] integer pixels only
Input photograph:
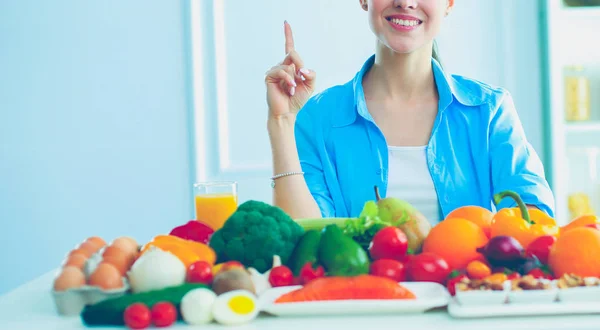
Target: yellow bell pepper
[{"x": 521, "y": 223}]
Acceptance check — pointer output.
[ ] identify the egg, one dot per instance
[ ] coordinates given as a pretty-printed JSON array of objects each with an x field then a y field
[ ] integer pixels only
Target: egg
[
  {"x": 235, "y": 307},
  {"x": 127, "y": 244},
  {"x": 69, "y": 278},
  {"x": 106, "y": 276},
  {"x": 196, "y": 306},
  {"x": 120, "y": 261},
  {"x": 90, "y": 247},
  {"x": 80, "y": 251},
  {"x": 111, "y": 251},
  {"x": 77, "y": 260},
  {"x": 97, "y": 241}
]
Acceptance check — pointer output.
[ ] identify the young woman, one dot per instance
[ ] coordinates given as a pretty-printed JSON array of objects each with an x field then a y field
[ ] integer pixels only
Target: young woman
[{"x": 435, "y": 140}]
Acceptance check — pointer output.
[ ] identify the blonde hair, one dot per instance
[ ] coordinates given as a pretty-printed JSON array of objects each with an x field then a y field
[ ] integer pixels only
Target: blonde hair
[{"x": 436, "y": 53}]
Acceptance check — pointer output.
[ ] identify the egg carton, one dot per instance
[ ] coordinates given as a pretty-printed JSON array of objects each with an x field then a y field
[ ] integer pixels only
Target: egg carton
[{"x": 71, "y": 302}]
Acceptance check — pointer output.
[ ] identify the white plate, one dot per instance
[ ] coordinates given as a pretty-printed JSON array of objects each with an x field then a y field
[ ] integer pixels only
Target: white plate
[
  {"x": 555, "y": 308},
  {"x": 429, "y": 295},
  {"x": 580, "y": 294}
]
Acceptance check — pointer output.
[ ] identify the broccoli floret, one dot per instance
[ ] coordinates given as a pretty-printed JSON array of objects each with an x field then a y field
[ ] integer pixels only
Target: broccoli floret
[{"x": 254, "y": 234}]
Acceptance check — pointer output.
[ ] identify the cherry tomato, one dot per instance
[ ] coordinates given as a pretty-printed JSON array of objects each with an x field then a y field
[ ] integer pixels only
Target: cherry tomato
[
  {"x": 137, "y": 316},
  {"x": 593, "y": 225},
  {"x": 308, "y": 273},
  {"x": 163, "y": 314},
  {"x": 513, "y": 276},
  {"x": 389, "y": 243},
  {"x": 540, "y": 248},
  {"x": 478, "y": 270},
  {"x": 539, "y": 274},
  {"x": 389, "y": 268},
  {"x": 428, "y": 267},
  {"x": 454, "y": 278},
  {"x": 200, "y": 272},
  {"x": 281, "y": 276}
]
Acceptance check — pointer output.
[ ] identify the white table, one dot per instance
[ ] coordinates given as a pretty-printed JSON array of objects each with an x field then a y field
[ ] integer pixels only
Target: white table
[{"x": 31, "y": 307}]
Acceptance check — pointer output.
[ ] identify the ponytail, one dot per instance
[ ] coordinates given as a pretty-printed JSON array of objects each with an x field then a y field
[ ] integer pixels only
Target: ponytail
[{"x": 436, "y": 53}]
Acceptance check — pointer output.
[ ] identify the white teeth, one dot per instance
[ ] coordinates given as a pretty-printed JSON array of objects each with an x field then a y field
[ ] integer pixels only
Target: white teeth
[{"x": 405, "y": 22}]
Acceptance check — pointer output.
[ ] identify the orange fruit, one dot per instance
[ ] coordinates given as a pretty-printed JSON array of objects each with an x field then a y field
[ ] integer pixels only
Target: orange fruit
[
  {"x": 476, "y": 214},
  {"x": 576, "y": 252},
  {"x": 580, "y": 221},
  {"x": 456, "y": 240}
]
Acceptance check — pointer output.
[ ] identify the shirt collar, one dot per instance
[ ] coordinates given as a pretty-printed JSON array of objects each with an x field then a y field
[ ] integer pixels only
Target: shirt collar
[{"x": 449, "y": 88}]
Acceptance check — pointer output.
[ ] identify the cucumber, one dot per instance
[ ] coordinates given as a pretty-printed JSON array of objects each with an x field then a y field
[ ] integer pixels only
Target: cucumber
[
  {"x": 110, "y": 312},
  {"x": 305, "y": 251}
]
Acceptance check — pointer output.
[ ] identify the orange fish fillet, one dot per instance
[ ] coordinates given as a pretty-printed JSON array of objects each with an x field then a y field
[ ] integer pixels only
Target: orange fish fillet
[{"x": 347, "y": 288}]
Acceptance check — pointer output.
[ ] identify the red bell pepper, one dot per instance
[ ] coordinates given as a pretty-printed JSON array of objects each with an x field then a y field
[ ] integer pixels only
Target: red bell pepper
[{"x": 194, "y": 230}]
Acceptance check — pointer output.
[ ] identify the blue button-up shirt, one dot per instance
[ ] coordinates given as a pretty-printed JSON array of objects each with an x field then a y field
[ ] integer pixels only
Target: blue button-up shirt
[{"x": 477, "y": 148}]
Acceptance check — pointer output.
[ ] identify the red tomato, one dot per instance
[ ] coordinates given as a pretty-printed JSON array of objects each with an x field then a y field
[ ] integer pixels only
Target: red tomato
[
  {"x": 428, "y": 267},
  {"x": 308, "y": 273},
  {"x": 389, "y": 243},
  {"x": 593, "y": 225},
  {"x": 200, "y": 272},
  {"x": 454, "y": 278},
  {"x": 513, "y": 276},
  {"x": 137, "y": 316},
  {"x": 389, "y": 268},
  {"x": 281, "y": 276},
  {"x": 540, "y": 274},
  {"x": 540, "y": 248},
  {"x": 163, "y": 314}
]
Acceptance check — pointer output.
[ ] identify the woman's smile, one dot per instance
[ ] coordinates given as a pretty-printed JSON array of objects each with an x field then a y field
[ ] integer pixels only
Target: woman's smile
[{"x": 404, "y": 22}]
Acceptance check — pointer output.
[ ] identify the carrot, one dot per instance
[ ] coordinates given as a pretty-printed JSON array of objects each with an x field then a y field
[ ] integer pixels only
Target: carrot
[{"x": 346, "y": 288}]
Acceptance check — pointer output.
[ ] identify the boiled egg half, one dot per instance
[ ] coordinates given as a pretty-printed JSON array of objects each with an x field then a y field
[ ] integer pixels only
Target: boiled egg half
[{"x": 235, "y": 307}]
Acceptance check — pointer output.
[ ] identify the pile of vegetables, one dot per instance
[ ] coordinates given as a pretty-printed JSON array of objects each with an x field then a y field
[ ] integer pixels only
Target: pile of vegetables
[{"x": 198, "y": 275}]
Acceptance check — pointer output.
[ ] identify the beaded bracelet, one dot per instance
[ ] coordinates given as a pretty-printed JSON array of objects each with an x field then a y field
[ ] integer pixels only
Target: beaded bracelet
[{"x": 275, "y": 177}]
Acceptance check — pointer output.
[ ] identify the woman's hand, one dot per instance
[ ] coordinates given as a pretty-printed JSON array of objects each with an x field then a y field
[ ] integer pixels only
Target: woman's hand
[{"x": 289, "y": 84}]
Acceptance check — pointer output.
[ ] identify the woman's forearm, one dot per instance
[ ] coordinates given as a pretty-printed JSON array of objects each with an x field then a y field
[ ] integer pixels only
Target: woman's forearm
[{"x": 291, "y": 193}]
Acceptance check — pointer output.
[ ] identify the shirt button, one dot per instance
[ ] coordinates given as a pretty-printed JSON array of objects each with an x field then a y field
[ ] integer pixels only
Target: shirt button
[{"x": 378, "y": 172}]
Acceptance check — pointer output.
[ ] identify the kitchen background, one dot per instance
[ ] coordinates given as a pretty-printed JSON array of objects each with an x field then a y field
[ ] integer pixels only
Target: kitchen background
[{"x": 109, "y": 111}]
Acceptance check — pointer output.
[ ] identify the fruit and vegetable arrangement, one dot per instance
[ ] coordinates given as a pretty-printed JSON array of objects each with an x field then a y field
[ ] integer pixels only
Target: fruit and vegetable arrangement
[{"x": 198, "y": 274}]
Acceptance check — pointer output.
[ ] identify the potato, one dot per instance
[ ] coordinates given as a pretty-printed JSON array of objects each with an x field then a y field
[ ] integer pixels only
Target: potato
[{"x": 233, "y": 279}]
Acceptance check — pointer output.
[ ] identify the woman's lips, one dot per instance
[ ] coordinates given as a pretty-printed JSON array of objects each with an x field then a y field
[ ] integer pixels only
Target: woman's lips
[{"x": 404, "y": 23}]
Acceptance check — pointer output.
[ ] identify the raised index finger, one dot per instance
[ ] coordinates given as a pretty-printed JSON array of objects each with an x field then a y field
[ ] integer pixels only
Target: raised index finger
[{"x": 289, "y": 38}]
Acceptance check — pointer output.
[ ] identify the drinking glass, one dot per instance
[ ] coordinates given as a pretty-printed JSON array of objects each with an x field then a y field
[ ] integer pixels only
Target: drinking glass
[{"x": 215, "y": 202}]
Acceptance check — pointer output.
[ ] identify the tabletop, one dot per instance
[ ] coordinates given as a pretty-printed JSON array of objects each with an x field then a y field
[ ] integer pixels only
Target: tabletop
[{"x": 30, "y": 306}]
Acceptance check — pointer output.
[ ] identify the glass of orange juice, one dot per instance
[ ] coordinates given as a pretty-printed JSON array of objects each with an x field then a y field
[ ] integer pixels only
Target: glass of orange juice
[{"x": 215, "y": 202}]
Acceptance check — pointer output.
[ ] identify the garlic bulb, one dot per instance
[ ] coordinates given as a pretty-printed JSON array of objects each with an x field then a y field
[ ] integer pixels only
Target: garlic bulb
[{"x": 261, "y": 281}]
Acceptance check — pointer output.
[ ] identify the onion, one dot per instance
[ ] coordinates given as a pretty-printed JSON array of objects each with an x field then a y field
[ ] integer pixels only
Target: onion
[
  {"x": 503, "y": 251},
  {"x": 156, "y": 269}
]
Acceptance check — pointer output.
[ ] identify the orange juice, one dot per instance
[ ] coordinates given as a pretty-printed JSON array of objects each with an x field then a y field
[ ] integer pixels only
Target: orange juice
[{"x": 215, "y": 209}]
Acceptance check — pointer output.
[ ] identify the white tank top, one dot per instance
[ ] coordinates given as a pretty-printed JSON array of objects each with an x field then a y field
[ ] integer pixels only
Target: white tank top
[{"x": 409, "y": 179}]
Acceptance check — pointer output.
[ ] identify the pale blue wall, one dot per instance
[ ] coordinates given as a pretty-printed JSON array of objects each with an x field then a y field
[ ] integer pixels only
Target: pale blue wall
[{"x": 93, "y": 126}]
